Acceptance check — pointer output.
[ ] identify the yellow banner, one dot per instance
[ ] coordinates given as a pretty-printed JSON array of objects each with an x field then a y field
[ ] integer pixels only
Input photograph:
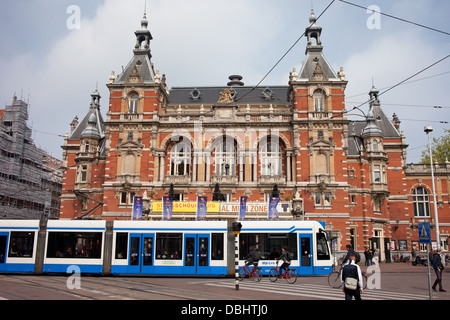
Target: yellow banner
[{"x": 186, "y": 206}]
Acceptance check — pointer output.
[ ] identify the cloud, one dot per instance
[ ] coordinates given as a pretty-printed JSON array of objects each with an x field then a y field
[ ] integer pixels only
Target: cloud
[
  {"x": 201, "y": 43},
  {"x": 390, "y": 60}
]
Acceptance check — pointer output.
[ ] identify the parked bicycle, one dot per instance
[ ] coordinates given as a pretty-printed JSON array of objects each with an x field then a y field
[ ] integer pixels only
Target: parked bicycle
[
  {"x": 400, "y": 258},
  {"x": 334, "y": 279},
  {"x": 255, "y": 273},
  {"x": 289, "y": 274}
]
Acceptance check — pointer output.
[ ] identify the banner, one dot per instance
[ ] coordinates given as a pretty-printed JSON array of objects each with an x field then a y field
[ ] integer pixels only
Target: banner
[
  {"x": 188, "y": 206},
  {"x": 273, "y": 212},
  {"x": 201, "y": 208},
  {"x": 167, "y": 207},
  {"x": 137, "y": 208},
  {"x": 242, "y": 207}
]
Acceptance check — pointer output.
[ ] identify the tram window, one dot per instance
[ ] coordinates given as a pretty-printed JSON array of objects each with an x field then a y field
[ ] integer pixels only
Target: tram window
[
  {"x": 3, "y": 240},
  {"x": 121, "y": 245},
  {"x": 217, "y": 246},
  {"x": 268, "y": 244},
  {"x": 168, "y": 246},
  {"x": 74, "y": 245},
  {"x": 322, "y": 247},
  {"x": 21, "y": 244}
]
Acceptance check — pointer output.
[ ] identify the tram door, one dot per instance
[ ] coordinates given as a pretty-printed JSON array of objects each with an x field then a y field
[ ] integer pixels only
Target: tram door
[
  {"x": 3, "y": 242},
  {"x": 196, "y": 254},
  {"x": 305, "y": 252},
  {"x": 140, "y": 257}
]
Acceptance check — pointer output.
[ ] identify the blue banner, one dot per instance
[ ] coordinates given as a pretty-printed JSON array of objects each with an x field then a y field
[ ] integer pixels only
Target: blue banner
[
  {"x": 273, "y": 212},
  {"x": 242, "y": 207},
  {"x": 137, "y": 208},
  {"x": 167, "y": 207},
  {"x": 201, "y": 207}
]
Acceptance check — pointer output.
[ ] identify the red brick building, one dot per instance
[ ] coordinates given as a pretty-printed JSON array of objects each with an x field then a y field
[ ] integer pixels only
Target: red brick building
[{"x": 350, "y": 174}]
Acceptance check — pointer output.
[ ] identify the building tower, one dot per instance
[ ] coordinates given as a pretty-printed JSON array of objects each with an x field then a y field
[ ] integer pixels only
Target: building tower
[
  {"x": 137, "y": 95},
  {"x": 320, "y": 128}
]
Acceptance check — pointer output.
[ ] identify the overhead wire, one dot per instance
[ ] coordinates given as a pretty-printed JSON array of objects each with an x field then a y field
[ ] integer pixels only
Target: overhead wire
[{"x": 396, "y": 18}]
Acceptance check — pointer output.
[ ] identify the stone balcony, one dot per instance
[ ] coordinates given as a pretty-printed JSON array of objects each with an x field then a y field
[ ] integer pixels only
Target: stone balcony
[
  {"x": 272, "y": 179},
  {"x": 177, "y": 180},
  {"x": 224, "y": 179}
]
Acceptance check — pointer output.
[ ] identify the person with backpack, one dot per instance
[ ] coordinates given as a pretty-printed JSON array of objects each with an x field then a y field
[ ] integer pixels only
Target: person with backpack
[
  {"x": 351, "y": 278},
  {"x": 286, "y": 256}
]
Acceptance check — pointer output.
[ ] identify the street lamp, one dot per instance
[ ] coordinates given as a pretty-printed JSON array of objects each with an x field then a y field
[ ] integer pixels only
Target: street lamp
[{"x": 428, "y": 129}]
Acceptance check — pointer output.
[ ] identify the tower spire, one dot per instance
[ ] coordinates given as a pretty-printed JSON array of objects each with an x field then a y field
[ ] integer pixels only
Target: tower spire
[{"x": 312, "y": 33}]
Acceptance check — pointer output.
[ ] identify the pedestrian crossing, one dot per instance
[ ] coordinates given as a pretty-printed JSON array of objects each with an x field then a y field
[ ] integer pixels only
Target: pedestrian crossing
[{"x": 312, "y": 291}]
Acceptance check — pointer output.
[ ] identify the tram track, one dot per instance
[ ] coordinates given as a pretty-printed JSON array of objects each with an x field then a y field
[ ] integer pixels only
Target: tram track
[
  {"x": 109, "y": 288},
  {"x": 26, "y": 281}
]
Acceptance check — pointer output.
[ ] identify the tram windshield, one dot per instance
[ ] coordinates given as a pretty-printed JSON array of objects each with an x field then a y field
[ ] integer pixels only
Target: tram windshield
[{"x": 322, "y": 247}]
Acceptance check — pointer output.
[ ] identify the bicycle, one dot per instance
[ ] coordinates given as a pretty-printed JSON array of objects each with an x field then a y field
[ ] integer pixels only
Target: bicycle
[
  {"x": 289, "y": 274},
  {"x": 334, "y": 279},
  {"x": 255, "y": 273}
]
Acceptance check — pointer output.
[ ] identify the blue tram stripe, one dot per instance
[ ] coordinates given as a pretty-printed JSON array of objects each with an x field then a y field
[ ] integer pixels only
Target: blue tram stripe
[
  {"x": 75, "y": 229},
  {"x": 19, "y": 228},
  {"x": 169, "y": 229},
  {"x": 289, "y": 230}
]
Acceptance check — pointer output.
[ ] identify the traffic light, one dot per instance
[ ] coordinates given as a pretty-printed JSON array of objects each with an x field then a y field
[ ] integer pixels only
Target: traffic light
[{"x": 236, "y": 227}]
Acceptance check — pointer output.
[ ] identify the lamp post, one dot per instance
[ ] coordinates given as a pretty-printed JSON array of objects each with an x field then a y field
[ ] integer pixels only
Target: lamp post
[{"x": 428, "y": 129}]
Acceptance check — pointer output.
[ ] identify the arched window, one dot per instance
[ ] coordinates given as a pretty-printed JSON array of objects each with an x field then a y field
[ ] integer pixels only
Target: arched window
[
  {"x": 225, "y": 158},
  {"x": 318, "y": 101},
  {"x": 180, "y": 159},
  {"x": 133, "y": 103},
  {"x": 420, "y": 202},
  {"x": 270, "y": 157}
]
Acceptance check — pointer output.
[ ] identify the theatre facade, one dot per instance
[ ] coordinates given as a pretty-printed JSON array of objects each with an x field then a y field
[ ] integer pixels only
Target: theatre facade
[{"x": 293, "y": 140}]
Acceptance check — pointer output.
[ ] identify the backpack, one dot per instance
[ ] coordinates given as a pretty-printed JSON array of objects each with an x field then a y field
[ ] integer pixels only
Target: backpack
[
  {"x": 357, "y": 257},
  {"x": 289, "y": 256}
]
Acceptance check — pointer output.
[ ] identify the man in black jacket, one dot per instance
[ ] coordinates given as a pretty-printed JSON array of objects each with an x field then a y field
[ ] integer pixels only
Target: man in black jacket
[
  {"x": 438, "y": 267},
  {"x": 253, "y": 257},
  {"x": 352, "y": 270}
]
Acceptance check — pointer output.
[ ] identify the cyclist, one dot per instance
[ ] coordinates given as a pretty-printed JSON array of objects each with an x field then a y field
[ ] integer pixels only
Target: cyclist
[
  {"x": 252, "y": 258},
  {"x": 350, "y": 251},
  {"x": 286, "y": 260}
]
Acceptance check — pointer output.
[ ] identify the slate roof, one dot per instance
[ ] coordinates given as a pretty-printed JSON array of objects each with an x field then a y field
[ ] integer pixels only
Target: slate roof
[
  {"x": 94, "y": 109},
  {"x": 144, "y": 66},
  {"x": 355, "y": 129},
  {"x": 309, "y": 65},
  {"x": 210, "y": 95}
]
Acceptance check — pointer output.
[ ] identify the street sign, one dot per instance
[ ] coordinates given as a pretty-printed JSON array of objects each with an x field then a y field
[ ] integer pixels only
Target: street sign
[{"x": 424, "y": 232}]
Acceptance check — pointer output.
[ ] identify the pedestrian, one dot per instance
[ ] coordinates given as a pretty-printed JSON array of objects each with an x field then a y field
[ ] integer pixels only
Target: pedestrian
[
  {"x": 351, "y": 279},
  {"x": 438, "y": 268},
  {"x": 368, "y": 256}
]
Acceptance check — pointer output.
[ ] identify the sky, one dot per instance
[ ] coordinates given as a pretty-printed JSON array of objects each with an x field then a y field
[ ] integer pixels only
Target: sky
[{"x": 54, "y": 54}]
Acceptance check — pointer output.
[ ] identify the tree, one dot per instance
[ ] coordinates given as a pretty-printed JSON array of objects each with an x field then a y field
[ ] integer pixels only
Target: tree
[{"x": 440, "y": 148}]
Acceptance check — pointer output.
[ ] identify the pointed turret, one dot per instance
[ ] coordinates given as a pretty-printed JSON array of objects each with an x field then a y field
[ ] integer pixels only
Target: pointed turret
[
  {"x": 315, "y": 67},
  {"x": 140, "y": 68},
  {"x": 94, "y": 109}
]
